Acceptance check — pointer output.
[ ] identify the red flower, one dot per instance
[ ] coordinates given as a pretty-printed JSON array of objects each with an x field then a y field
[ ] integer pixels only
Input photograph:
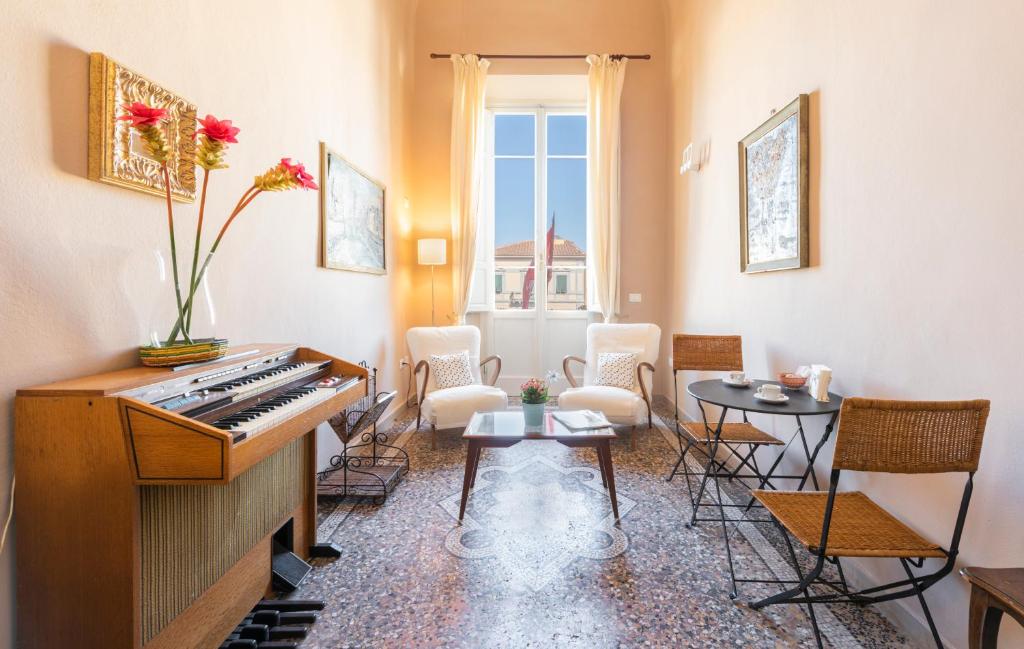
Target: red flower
[
  {"x": 299, "y": 173},
  {"x": 220, "y": 130},
  {"x": 142, "y": 115}
]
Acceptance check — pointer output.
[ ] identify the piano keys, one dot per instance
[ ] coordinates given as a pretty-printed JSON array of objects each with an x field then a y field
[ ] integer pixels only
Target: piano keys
[{"x": 156, "y": 496}]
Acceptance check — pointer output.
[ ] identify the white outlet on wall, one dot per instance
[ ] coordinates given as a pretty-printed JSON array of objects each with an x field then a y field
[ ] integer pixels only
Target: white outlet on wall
[{"x": 636, "y": 297}]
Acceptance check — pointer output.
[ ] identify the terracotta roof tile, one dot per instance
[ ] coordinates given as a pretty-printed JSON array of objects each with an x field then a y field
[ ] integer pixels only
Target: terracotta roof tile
[{"x": 563, "y": 248}]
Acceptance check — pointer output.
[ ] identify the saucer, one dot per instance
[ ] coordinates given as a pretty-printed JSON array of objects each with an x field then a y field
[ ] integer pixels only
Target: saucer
[
  {"x": 738, "y": 384},
  {"x": 781, "y": 398}
]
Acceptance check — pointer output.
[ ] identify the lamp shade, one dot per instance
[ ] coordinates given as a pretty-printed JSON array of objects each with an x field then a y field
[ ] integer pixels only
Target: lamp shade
[{"x": 431, "y": 252}]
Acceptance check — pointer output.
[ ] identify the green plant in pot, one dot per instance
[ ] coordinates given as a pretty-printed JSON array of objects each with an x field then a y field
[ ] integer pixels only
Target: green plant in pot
[
  {"x": 214, "y": 136},
  {"x": 534, "y": 395}
]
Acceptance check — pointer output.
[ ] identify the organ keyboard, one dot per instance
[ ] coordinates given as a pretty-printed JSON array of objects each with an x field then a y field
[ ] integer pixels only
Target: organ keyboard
[{"x": 150, "y": 500}]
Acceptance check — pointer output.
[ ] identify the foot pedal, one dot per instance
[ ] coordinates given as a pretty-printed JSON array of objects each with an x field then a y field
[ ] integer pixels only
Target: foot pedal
[
  {"x": 278, "y": 644},
  {"x": 287, "y": 569},
  {"x": 257, "y": 632},
  {"x": 285, "y": 632},
  {"x": 288, "y": 605},
  {"x": 297, "y": 617}
]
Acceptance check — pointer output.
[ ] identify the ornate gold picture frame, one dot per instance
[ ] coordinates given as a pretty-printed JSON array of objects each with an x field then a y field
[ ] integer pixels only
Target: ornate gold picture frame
[{"x": 116, "y": 154}]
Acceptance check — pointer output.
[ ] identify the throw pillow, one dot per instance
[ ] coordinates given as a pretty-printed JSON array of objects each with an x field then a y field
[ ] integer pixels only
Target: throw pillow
[
  {"x": 451, "y": 370},
  {"x": 617, "y": 369}
]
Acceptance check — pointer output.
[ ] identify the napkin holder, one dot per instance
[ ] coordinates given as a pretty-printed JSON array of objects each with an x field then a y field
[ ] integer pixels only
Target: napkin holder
[{"x": 818, "y": 381}]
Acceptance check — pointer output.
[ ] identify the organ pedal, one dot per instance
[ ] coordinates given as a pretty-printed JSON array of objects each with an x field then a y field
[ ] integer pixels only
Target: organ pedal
[{"x": 274, "y": 624}]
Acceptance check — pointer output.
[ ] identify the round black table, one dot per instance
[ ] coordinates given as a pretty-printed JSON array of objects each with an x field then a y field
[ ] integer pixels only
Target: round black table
[{"x": 800, "y": 404}]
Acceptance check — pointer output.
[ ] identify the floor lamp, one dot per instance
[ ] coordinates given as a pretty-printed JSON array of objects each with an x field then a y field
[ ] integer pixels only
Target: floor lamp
[{"x": 431, "y": 252}]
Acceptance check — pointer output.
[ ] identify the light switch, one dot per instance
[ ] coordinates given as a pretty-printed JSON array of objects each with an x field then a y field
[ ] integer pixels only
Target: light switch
[{"x": 636, "y": 298}]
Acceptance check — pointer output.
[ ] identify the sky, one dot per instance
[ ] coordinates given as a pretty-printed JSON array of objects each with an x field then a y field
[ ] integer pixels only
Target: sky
[{"x": 514, "y": 177}]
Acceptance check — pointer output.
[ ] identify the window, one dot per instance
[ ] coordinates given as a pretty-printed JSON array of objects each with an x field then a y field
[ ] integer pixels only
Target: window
[
  {"x": 561, "y": 284},
  {"x": 539, "y": 209}
]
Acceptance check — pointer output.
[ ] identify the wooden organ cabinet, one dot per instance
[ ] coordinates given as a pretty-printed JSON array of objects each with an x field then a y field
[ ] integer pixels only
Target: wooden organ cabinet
[{"x": 148, "y": 498}]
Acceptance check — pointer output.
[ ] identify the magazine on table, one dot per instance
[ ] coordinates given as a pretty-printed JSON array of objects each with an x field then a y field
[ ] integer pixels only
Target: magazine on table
[{"x": 581, "y": 419}]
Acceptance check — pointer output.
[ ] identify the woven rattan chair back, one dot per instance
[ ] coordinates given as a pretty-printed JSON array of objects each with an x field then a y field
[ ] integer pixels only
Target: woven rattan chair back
[
  {"x": 707, "y": 353},
  {"x": 910, "y": 436}
]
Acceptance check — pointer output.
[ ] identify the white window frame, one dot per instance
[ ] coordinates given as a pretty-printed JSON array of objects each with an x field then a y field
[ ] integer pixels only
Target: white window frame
[{"x": 485, "y": 267}]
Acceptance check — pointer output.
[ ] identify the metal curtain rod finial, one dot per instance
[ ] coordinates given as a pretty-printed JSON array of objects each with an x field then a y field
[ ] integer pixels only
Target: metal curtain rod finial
[{"x": 644, "y": 57}]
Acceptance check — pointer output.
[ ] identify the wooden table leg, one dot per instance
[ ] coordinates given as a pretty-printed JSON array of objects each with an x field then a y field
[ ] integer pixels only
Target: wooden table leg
[
  {"x": 984, "y": 620},
  {"x": 604, "y": 449},
  {"x": 476, "y": 465},
  {"x": 601, "y": 465},
  {"x": 472, "y": 455}
]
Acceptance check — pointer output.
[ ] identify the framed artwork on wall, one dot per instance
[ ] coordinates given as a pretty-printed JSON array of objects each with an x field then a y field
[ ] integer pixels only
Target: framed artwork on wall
[
  {"x": 117, "y": 155},
  {"x": 351, "y": 216},
  {"x": 774, "y": 228}
]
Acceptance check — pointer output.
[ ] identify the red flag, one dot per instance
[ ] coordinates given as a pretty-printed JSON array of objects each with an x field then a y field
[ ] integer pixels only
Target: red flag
[{"x": 528, "y": 281}]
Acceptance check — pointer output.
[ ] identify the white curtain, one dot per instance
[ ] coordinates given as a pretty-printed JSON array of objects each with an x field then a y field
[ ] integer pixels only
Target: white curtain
[
  {"x": 467, "y": 173},
  {"x": 604, "y": 89}
]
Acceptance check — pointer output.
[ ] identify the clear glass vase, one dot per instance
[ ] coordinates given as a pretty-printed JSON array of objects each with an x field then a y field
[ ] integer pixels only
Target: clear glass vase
[{"x": 149, "y": 286}]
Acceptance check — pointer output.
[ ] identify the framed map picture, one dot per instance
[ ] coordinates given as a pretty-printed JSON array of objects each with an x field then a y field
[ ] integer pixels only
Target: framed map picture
[
  {"x": 774, "y": 192},
  {"x": 352, "y": 216}
]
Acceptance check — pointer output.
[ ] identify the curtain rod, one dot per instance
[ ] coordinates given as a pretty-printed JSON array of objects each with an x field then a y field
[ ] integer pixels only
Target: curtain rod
[{"x": 434, "y": 55}]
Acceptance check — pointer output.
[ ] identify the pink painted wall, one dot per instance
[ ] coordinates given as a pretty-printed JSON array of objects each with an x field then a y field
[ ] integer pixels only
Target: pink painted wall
[
  {"x": 916, "y": 228},
  {"x": 289, "y": 75},
  {"x": 541, "y": 26}
]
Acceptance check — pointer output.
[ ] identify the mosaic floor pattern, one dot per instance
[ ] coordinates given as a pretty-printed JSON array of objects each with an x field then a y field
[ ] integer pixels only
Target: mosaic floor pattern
[{"x": 538, "y": 562}]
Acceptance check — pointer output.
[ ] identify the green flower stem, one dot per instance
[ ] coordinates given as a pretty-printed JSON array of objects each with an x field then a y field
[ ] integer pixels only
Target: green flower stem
[
  {"x": 195, "y": 249},
  {"x": 243, "y": 202},
  {"x": 174, "y": 253}
]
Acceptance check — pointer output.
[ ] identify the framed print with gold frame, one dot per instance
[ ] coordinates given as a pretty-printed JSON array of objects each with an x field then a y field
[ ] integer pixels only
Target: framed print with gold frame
[
  {"x": 774, "y": 191},
  {"x": 117, "y": 155},
  {"x": 352, "y": 219}
]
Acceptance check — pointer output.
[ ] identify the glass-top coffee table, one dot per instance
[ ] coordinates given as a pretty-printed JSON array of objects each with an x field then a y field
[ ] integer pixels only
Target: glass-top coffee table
[{"x": 507, "y": 428}]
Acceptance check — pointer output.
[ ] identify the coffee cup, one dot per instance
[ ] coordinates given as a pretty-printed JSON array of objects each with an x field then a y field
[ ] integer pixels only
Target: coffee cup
[
  {"x": 737, "y": 377},
  {"x": 770, "y": 391}
]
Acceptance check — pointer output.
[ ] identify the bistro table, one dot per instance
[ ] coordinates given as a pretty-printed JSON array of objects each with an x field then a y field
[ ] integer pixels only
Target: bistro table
[
  {"x": 740, "y": 398},
  {"x": 507, "y": 428}
]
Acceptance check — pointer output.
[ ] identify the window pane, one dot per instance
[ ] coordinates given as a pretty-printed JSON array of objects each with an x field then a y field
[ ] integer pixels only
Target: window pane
[
  {"x": 567, "y": 210},
  {"x": 513, "y": 231},
  {"x": 567, "y": 135},
  {"x": 513, "y": 135}
]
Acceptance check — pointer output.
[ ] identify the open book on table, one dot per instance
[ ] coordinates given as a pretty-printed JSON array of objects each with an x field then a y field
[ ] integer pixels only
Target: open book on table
[{"x": 581, "y": 419}]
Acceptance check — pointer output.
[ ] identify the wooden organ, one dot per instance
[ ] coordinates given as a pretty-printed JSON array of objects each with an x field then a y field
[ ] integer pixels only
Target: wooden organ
[{"x": 149, "y": 500}]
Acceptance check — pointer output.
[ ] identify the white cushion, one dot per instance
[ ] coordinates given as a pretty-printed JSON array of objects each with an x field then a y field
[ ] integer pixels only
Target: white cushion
[
  {"x": 618, "y": 405},
  {"x": 453, "y": 407},
  {"x": 640, "y": 339},
  {"x": 426, "y": 341},
  {"x": 451, "y": 370},
  {"x": 617, "y": 369}
]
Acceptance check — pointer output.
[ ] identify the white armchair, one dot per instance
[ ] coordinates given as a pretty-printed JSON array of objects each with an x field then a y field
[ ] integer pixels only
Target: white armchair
[
  {"x": 619, "y": 405},
  {"x": 452, "y": 407}
]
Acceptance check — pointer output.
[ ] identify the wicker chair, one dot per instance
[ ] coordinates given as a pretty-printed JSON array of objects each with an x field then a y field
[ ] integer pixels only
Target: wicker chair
[
  {"x": 713, "y": 354},
  {"x": 889, "y": 437}
]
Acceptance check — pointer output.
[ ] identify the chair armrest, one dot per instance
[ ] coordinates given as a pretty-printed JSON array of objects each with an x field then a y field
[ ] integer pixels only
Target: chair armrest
[
  {"x": 640, "y": 378},
  {"x": 497, "y": 372},
  {"x": 422, "y": 365},
  {"x": 565, "y": 369}
]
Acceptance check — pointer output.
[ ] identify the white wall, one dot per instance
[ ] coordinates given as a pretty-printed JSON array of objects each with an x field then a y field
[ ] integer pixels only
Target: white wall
[
  {"x": 916, "y": 226},
  {"x": 289, "y": 75}
]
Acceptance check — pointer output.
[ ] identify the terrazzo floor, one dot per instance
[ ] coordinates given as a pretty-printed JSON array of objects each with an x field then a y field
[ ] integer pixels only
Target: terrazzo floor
[{"x": 538, "y": 562}]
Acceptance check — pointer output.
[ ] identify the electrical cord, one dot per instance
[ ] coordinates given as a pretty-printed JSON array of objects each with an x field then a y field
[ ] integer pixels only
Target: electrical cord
[{"x": 10, "y": 516}]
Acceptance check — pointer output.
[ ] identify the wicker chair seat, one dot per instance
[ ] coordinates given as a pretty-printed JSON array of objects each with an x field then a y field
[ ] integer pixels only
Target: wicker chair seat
[
  {"x": 740, "y": 433},
  {"x": 859, "y": 528}
]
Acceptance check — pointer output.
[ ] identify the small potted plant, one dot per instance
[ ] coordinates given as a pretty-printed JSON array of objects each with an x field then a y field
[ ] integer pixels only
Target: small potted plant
[{"x": 534, "y": 395}]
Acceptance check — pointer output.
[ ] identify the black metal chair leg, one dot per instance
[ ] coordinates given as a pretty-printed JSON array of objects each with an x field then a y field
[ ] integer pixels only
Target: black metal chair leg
[
  {"x": 733, "y": 593},
  {"x": 800, "y": 576},
  {"x": 924, "y": 605}
]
